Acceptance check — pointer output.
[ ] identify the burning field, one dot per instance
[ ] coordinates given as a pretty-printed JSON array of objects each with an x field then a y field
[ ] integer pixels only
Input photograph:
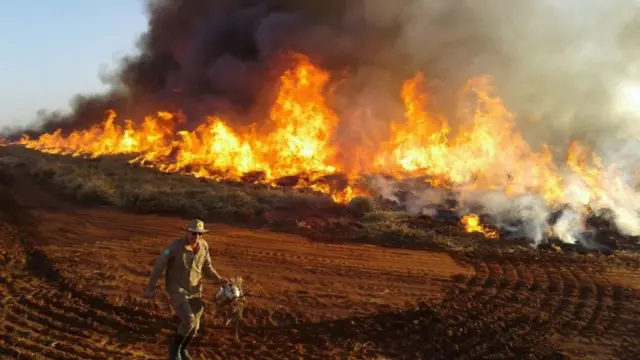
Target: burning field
[
  {"x": 421, "y": 165},
  {"x": 399, "y": 106},
  {"x": 433, "y": 178}
]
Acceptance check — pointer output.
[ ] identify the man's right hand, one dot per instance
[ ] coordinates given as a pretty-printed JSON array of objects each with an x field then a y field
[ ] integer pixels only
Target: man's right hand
[{"x": 149, "y": 294}]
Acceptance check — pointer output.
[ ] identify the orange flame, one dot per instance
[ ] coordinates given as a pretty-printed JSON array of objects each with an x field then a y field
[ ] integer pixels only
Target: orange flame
[
  {"x": 472, "y": 224},
  {"x": 485, "y": 153},
  {"x": 300, "y": 129},
  {"x": 106, "y": 138}
]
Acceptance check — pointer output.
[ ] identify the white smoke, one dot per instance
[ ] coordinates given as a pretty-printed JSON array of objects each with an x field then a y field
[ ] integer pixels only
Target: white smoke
[
  {"x": 568, "y": 226},
  {"x": 386, "y": 188},
  {"x": 574, "y": 65},
  {"x": 561, "y": 60}
]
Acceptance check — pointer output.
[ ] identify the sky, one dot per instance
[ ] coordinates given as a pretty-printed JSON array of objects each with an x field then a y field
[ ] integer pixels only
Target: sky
[{"x": 53, "y": 50}]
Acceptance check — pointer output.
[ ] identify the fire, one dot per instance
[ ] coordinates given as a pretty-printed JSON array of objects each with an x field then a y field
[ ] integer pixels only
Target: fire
[
  {"x": 106, "y": 138},
  {"x": 486, "y": 154},
  {"x": 472, "y": 224},
  {"x": 299, "y": 131},
  {"x": 419, "y": 144},
  {"x": 483, "y": 151},
  {"x": 303, "y": 125},
  {"x": 296, "y": 140},
  {"x": 591, "y": 177}
]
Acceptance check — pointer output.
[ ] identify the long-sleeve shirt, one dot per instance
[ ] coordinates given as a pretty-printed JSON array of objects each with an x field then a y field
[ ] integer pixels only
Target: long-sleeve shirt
[{"x": 185, "y": 268}]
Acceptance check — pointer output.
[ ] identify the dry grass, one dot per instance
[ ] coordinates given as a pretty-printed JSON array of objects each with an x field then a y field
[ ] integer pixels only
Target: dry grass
[
  {"x": 389, "y": 226},
  {"x": 112, "y": 181}
]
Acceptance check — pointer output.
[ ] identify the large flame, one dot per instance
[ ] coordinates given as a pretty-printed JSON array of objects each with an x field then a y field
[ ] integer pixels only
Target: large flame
[
  {"x": 486, "y": 152},
  {"x": 107, "y": 138},
  {"x": 298, "y": 143}
]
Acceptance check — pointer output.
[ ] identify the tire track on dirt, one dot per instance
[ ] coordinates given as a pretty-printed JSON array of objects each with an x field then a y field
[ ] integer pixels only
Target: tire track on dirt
[
  {"x": 575, "y": 296},
  {"x": 514, "y": 296},
  {"x": 588, "y": 300}
]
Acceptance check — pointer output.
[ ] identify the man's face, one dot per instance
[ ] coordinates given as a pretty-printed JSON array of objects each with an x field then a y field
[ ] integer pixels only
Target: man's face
[{"x": 192, "y": 237}]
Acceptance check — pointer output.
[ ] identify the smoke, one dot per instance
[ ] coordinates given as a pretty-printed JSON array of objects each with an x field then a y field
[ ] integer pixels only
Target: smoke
[
  {"x": 570, "y": 65},
  {"x": 565, "y": 227},
  {"x": 558, "y": 62},
  {"x": 561, "y": 61}
]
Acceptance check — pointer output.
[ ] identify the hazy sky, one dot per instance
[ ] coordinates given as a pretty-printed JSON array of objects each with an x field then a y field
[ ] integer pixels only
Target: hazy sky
[{"x": 52, "y": 50}]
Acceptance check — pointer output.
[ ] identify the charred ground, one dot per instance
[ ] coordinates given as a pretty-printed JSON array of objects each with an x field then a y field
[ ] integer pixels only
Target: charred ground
[{"x": 471, "y": 298}]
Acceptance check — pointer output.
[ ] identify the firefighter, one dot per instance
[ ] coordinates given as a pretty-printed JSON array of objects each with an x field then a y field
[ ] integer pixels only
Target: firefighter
[{"x": 186, "y": 260}]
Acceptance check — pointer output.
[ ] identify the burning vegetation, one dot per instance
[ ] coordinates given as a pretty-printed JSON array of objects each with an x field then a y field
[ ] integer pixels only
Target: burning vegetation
[
  {"x": 295, "y": 146},
  {"x": 384, "y": 102}
]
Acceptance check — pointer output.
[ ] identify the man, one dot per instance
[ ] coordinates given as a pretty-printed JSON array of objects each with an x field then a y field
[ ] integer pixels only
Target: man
[{"x": 186, "y": 260}]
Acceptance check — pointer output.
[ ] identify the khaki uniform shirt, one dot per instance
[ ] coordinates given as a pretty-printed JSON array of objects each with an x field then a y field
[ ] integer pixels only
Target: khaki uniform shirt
[{"x": 184, "y": 269}]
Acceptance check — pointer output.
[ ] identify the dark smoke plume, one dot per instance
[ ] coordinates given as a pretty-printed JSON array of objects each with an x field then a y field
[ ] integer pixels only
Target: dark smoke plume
[
  {"x": 559, "y": 61},
  {"x": 216, "y": 56}
]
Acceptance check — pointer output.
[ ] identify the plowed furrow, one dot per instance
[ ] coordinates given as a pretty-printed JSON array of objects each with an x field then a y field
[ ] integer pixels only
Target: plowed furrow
[
  {"x": 11, "y": 350},
  {"x": 547, "y": 304},
  {"x": 68, "y": 308},
  {"x": 67, "y": 317},
  {"x": 511, "y": 274},
  {"x": 73, "y": 345},
  {"x": 35, "y": 302},
  {"x": 525, "y": 278},
  {"x": 501, "y": 325},
  {"x": 617, "y": 309},
  {"x": 71, "y": 326},
  {"x": 556, "y": 279},
  {"x": 602, "y": 312},
  {"x": 567, "y": 303},
  {"x": 496, "y": 276},
  {"x": 68, "y": 333},
  {"x": 540, "y": 278},
  {"x": 38, "y": 303},
  {"x": 40, "y": 344},
  {"x": 587, "y": 298}
]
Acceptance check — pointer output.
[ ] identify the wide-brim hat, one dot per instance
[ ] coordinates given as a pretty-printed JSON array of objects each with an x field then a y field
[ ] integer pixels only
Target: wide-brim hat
[{"x": 196, "y": 226}]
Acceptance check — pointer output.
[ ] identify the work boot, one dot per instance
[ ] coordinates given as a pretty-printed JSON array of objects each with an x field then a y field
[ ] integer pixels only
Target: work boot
[
  {"x": 184, "y": 354},
  {"x": 174, "y": 347}
]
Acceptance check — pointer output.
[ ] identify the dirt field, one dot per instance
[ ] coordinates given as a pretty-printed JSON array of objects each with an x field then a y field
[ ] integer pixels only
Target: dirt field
[{"x": 71, "y": 288}]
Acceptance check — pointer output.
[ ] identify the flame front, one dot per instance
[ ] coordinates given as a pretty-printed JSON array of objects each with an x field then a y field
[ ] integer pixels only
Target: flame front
[
  {"x": 484, "y": 153},
  {"x": 107, "y": 138}
]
